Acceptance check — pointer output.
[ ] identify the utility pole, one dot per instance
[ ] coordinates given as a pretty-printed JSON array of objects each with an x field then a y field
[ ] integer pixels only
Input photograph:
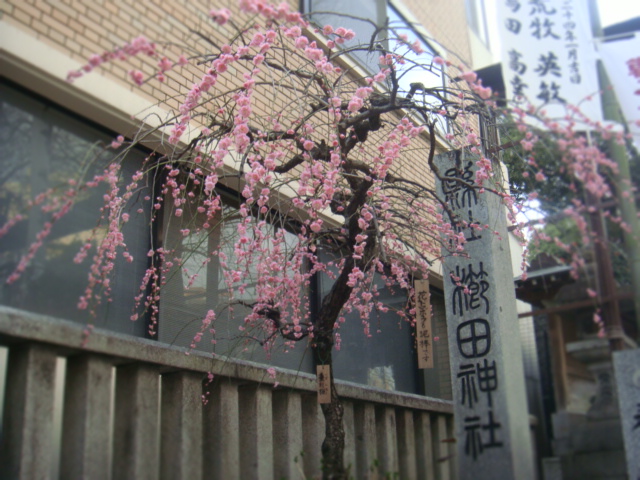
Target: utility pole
[{"x": 622, "y": 178}]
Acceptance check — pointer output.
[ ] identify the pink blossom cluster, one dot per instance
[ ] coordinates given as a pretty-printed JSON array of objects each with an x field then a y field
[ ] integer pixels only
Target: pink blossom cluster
[
  {"x": 634, "y": 67},
  {"x": 338, "y": 36},
  {"x": 206, "y": 326},
  {"x": 112, "y": 243},
  {"x": 139, "y": 45},
  {"x": 272, "y": 12}
]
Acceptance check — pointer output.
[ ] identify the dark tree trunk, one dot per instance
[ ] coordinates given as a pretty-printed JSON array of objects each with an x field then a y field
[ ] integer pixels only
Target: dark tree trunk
[
  {"x": 329, "y": 311},
  {"x": 333, "y": 445}
]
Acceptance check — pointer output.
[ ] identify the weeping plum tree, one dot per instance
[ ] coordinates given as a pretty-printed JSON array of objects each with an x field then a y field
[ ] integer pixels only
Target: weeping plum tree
[
  {"x": 333, "y": 173},
  {"x": 313, "y": 150}
]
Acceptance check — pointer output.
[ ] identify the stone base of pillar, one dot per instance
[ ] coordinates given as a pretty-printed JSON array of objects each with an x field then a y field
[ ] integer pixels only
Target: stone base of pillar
[{"x": 591, "y": 445}]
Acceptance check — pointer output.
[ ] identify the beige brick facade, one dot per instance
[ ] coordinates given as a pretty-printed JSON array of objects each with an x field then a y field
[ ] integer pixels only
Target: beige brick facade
[
  {"x": 79, "y": 28},
  {"x": 445, "y": 21},
  {"x": 76, "y": 29}
]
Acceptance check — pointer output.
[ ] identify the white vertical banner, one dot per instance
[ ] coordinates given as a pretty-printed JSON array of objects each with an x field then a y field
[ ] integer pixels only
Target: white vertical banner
[
  {"x": 617, "y": 57},
  {"x": 549, "y": 57}
]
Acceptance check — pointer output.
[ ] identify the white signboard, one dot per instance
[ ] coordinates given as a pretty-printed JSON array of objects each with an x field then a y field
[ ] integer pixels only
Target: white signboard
[
  {"x": 617, "y": 56},
  {"x": 549, "y": 58}
]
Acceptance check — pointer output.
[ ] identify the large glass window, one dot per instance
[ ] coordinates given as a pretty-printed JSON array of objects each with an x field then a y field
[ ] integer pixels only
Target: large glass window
[
  {"x": 196, "y": 283},
  {"x": 43, "y": 148},
  {"x": 386, "y": 359},
  {"x": 418, "y": 68},
  {"x": 350, "y": 14}
]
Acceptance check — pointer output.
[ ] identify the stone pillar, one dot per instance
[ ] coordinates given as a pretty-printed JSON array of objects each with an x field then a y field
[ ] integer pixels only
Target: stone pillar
[
  {"x": 86, "y": 419},
  {"x": 287, "y": 434},
  {"x": 26, "y": 450},
  {"x": 136, "y": 454},
  {"x": 491, "y": 418},
  {"x": 441, "y": 440},
  {"x": 406, "y": 444},
  {"x": 424, "y": 446},
  {"x": 222, "y": 431},
  {"x": 387, "y": 438},
  {"x": 256, "y": 433},
  {"x": 349, "y": 437},
  {"x": 181, "y": 426},
  {"x": 365, "y": 429},
  {"x": 627, "y": 375},
  {"x": 313, "y": 431}
]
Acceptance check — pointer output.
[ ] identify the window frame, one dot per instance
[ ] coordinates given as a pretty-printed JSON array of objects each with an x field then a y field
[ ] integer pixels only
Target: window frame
[{"x": 477, "y": 20}]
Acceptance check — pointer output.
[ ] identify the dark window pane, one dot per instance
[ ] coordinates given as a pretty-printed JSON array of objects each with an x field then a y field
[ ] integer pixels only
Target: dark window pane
[
  {"x": 437, "y": 380},
  {"x": 387, "y": 359},
  {"x": 42, "y": 149}
]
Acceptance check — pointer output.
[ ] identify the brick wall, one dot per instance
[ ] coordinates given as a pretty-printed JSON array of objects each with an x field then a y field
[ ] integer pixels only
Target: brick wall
[
  {"x": 446, "y": 21},
  {"x": 79, "y": 28}
]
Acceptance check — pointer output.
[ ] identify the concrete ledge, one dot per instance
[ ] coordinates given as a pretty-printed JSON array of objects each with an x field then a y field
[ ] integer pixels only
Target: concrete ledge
[{"x": 18, "y": 326}]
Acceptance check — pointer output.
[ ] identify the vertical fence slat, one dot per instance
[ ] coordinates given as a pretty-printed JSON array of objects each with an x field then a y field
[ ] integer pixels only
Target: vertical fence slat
[
  {"x": 181, "y": 426},
  {"x": 451, "y": 448},
  {"x": 387, "y": 440},
  {"x": 441, "y": 447},
  {"x": 86, "y": 418},
  {"x": 424, "y": 446},
  {"x": 365, "y": 420},
  {"x": 287, "y": 434},
  {"x": 27, "y": 443},
  {"x": 256, "y": 433},
  {"x": 222, "y": 431},
  {"x": 136, "y": 454},
  {"x": 406, "y": 444},
  {"x": 349, "y": 438},
  {"x": 313, "y": 435}
]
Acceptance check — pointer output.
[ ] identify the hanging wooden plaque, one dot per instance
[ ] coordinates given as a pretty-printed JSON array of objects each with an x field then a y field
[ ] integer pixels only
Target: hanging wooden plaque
[
  {"x": 424, "y": 335},
  {"x": 323, "y": 374}
]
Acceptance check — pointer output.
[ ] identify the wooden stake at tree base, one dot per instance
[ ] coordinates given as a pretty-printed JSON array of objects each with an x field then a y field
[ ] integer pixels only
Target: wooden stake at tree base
[
  {"x": 424, "y": 336},
  {"x": 323, "y": 373}
]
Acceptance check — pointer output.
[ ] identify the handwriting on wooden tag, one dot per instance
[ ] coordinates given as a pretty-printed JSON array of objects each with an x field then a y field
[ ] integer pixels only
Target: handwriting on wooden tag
[
  {"x": 424, "y": 337},
  {"x": 323, "y": 373}
]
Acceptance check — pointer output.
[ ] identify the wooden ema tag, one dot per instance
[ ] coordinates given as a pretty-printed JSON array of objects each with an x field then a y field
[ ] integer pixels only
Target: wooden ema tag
[
  {"x": 323, "y": 374},
  {"x": 424, "y": 337}
]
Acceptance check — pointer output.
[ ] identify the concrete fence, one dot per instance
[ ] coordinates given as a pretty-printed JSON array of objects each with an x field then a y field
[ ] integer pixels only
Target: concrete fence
[{"x": 111, "y": 406}]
